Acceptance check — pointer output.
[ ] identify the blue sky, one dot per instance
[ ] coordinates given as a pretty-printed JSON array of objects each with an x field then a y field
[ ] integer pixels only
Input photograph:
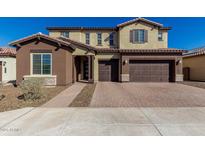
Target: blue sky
[{"x": 186, "y": 33}]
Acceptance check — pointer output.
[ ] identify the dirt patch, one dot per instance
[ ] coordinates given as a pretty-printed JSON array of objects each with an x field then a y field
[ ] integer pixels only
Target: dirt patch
[
  {"x": 12, "y": 99},
  {"x": 194, "y": 84},
  {"x": 83, "y": 99}
]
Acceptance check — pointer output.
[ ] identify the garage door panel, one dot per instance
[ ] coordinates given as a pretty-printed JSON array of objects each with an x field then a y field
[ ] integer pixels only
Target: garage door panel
[
  {"x": 108, "y": 70},
  {"x": 149, "y": 71}
]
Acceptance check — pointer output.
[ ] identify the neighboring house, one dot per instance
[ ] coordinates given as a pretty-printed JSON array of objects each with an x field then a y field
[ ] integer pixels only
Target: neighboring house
[
  {"x": 7, "y": 64},
  {"x": 134, "y": 51},
  {"x": 194, "y": 65}
]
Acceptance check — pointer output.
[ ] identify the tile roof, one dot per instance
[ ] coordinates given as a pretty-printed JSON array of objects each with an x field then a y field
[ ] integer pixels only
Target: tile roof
[
  {"x": 39, "y": 36},
  {"x": 110, "y": 28},
  {"x": 5, "y": 51},
  {"x": 195, "y": 52},
  {"x": 116, "y": 50},
  {"x": 72, "y": 43},
  {"x": 139, "y": 19},
  {"x": 81, "y": 28},
  {"x": 89, "y": 47}
]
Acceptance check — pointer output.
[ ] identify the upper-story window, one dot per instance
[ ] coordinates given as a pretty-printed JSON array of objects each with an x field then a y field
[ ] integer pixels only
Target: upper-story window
[
  {"x": 160, "y": 36},
  {"x": 99, "y": 38},
  {"x": 111, "y": 39},
  {"x": 139, "y": 36},
  {"x": 65, "y": 34},
  {"x": 87, "y": 38}
]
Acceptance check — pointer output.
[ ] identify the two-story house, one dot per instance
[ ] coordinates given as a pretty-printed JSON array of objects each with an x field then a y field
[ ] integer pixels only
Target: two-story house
[{"x": 134, "y": 51}]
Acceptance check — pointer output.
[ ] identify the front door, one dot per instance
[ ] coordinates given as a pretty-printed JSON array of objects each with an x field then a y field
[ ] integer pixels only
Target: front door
[{"x": 85, "y": 69}]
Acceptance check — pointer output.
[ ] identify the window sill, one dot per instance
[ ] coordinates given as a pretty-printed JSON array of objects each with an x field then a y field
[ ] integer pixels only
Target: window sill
[
  {"x": 140, "y": 42},
  {"x": 38, "y": 76}
]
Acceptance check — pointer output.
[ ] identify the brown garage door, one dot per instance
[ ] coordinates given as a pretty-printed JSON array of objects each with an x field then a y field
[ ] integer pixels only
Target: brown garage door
[
  {"x": 0, "y": 71},
  {"x": 108, "y": 70},
  {"x": 150, "y": 71}
]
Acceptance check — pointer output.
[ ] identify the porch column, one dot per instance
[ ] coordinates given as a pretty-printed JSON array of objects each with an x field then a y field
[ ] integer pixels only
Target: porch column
[
  {"x": 73, "y": 69},
  {"x": 90, "y": 68}
]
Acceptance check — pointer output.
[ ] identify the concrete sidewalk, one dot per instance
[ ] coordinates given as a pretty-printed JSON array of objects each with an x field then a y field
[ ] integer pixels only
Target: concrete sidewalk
[
  {"x": 65, "y": 97},
  {"x": 104, "y": 121}
]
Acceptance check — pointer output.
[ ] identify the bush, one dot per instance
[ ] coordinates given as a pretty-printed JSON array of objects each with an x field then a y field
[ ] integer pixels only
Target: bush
[
  {"x": 32, "y": 89},
  {"x": 2, "y": 96}
]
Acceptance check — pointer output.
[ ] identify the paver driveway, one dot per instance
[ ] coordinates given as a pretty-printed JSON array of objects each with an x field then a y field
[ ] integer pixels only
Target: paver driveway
[{"x": 110, "y": 94}]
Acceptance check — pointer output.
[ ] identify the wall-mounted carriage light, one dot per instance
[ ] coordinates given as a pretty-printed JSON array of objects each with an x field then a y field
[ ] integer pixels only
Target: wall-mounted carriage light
[
  {"x": 125, "y": 61},
  {"x": 4, "y": 63},
  {"x": 178, "y": 61}
]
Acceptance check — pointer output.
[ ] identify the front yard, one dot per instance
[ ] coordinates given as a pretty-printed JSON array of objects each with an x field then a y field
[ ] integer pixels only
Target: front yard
[
  {"x": 13, "y": 97},
  {"x": 83, "y": 99}
]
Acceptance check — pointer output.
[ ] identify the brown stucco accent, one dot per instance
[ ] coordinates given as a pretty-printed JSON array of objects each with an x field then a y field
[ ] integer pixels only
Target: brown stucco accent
[{"x": 61, "y": 60}]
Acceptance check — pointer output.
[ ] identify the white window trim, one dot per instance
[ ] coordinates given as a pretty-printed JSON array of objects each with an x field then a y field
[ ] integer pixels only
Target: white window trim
[
  {"x": 160, "y": 32},
  {"x": 86, "y": 38},
  {"x": 31, "y": 65},
  {"x": 139, "y": 37},
  {"x": 133, "y": 37},
  {"x": 64, "y": 33},
  {"x": 113, "y": 35},
  {"x": 99, "y": 39}
]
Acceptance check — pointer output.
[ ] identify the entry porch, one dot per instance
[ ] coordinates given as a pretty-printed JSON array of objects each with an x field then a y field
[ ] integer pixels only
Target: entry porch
[{"x": 83, "y": 68}]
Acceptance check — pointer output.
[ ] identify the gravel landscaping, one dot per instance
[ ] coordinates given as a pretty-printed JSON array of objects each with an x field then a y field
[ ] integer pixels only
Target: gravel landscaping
[
  {"x": 13, "y": 97},
  {"x": 83, "y": 99}
]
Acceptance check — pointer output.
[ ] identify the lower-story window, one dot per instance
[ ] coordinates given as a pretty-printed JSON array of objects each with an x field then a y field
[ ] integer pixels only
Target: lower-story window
[{"x": 41, "y": 63}]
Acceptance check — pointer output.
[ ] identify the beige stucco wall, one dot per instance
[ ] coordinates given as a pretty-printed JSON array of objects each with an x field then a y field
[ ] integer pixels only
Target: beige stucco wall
[
  {"x": 8, "y": 63},
  {"x": 102, "y": 57},
  {"x": 80, "y": 36},
  {"x": 81, "y": 52},
  {"x": 153, "y": 43},
  {"x": 197, "y": 67}
]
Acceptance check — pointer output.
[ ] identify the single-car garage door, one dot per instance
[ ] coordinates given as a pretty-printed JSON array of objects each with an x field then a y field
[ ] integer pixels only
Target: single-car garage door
[
  {"x": 108, "y": 70},
  {"x": 150, "y": 71}
]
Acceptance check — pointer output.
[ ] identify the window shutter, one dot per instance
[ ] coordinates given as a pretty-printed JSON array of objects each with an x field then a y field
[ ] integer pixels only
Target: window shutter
[
  {"x": 145, "y": 35},
  {"x": 131, "y": 36}
]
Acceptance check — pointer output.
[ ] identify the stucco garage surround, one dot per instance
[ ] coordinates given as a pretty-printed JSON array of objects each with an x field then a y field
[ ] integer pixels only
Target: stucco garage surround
[{"x": 104, "y": 57}]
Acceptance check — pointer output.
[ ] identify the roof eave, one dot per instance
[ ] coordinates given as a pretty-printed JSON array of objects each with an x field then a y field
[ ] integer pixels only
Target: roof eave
[
  {"x": 165, "y": 28},
  {"x": 40, "y": 36},
  {"x": 80, "y": 28},
  {"x": 138, "y": 20}
]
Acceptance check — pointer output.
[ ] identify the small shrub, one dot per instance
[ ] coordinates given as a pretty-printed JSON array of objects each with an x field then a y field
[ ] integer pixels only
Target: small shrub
[
  {"x": 32, "y": 89},
  {"x": 2, "y": 96}
]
